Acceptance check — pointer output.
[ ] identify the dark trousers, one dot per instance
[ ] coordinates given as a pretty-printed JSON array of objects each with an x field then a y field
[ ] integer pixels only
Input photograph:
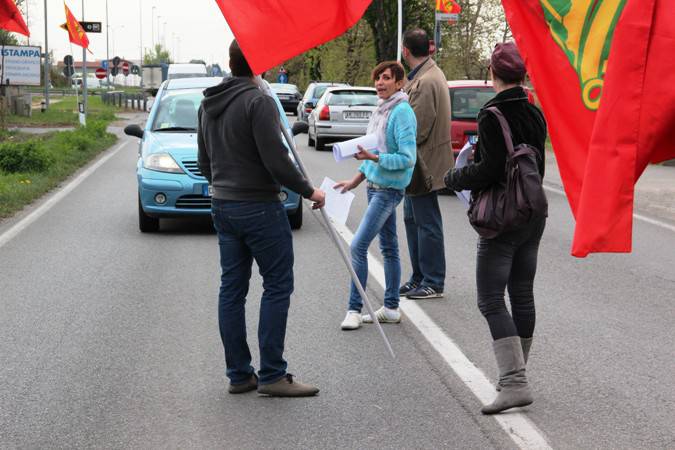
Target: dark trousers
[
  {"x": 509, "y": 262},
  {"x": 424, "y": 232},
  {"x": 248, "y": 231}
]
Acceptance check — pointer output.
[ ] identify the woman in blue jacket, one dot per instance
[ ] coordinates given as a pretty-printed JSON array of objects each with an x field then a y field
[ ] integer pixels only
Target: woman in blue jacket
[{"x": 388, "y": 171}]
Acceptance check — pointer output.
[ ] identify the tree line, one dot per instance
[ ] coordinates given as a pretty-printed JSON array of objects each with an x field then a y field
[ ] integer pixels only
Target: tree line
[{"x": 462, "y": 52}]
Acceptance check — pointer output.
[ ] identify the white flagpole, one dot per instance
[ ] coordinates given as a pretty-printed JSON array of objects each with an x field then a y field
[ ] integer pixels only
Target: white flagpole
[
  {"x": 333, "y": 234},
  {"x": 400, "y": 30}
]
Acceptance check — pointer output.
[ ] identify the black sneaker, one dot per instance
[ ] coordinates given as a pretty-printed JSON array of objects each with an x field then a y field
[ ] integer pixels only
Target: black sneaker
[
  {"x": 424, "y": 292},
  {"x": 409, "y": 286}
]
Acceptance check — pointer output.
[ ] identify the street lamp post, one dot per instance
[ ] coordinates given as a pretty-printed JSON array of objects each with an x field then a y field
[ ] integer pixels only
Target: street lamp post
[
  {"x": 84, "y": 72},
  {"x": 140, "y": 34},
  {"x": 46, "y": 61},
  {"x": 152, "y": 24},
  {"x": 107, "y": 45}
]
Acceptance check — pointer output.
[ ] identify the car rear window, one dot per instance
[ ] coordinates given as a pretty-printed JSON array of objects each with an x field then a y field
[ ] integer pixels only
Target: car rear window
[
  {"x": 352, "y": 98},
  {"x": 467, "y": 102}
]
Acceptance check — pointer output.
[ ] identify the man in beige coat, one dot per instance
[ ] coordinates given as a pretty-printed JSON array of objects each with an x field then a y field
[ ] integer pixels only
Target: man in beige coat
[{"x": 427, "y": 88}]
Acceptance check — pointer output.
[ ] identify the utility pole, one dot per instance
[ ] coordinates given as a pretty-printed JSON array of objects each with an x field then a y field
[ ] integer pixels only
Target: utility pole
[
  {"x": 140, "y": 27},
  {"x": 46, "y": 61},
  {"x": 152, "y": 24},
  {"x": 84, "y": 73},
  {"x": 107, "y": 45}
]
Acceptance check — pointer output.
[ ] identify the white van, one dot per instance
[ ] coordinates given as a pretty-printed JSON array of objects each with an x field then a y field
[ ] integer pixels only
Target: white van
[{"x": 186, "y": 71}]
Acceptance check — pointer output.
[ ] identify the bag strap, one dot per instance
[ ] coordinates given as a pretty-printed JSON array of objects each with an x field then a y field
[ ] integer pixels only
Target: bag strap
[{"x": 506, "y": 129}]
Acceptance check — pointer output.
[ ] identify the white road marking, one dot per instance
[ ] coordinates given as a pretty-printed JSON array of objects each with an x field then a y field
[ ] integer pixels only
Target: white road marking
[
  {"x": 24, "y": 223},
  {"x": 516, "y": 424},
  {"x": 646, "y": 219}
]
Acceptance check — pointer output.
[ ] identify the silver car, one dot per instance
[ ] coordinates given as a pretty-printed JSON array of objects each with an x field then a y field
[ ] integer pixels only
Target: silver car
[{"x": 341, "y": 113}]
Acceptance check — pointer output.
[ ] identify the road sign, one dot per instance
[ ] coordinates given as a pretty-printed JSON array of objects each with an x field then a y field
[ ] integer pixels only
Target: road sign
[
  {"x": 68, "y": 60},
  {"x": 450, "y": 17},
  {"x": 68, "y": 71},
  {"x": 282, "y": 78},
  {"x": 125, "y": 68},
  {"x": 104, "y": 64},
  {"x": 101, "y": 73},
  {"x": 135, "y": 70},
  {"x": 91, "y": 27},
  {"x": 114, "y": 71},
  {"x": 116, "y": 61}
]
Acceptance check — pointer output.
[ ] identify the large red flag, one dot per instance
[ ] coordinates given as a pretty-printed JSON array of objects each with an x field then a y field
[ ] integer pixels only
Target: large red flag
[
  {"x": 11, "y": 19},
  {"x": 271, "y": 31},
  {"x": 75, "y": 31},
  {"x": 604, "y": 73}
]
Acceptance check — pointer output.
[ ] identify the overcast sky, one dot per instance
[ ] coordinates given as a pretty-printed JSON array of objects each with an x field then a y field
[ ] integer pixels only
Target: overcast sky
[{"x": 193, "y": 29}]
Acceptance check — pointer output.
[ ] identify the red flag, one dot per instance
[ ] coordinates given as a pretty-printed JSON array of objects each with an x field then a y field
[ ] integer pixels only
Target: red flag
[
  {"x": 271, "y": 31},
  {"x": 605, "y": 77},
  {"x": 75, "y": 32},
  {"x": 448, "y": 6},
  {"x": 11, "y": 19}
]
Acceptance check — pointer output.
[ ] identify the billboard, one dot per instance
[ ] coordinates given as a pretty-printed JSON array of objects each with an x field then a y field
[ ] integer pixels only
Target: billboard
[{"x": 20, "y": 65}]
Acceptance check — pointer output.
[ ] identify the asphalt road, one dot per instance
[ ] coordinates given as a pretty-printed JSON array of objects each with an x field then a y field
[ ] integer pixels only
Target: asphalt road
[{"x": 109, "y": 338}]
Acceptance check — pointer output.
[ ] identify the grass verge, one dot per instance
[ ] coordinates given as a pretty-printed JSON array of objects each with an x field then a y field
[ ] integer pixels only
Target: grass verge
[
  {"x": 66, "y": 151},
  {"x": 64, "y": 113}
]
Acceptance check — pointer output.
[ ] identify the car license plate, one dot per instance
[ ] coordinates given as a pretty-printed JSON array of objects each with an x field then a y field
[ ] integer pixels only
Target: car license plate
[
  {"x": 473, "y": 139},
  {"x": 357, "y": 114},
  {"x": 207, "y": 190}
]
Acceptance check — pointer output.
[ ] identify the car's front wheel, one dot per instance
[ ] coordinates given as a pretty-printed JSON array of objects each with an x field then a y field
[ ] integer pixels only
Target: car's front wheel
[
  {"x": 146, "y": 223},
  {"x": 295, "y": 219}
]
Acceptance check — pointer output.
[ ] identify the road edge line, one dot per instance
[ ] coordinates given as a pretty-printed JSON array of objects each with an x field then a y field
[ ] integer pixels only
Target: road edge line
[
  {"x": 637, "y": 216},
  {"x": 517, "y": 425},
  {"x": 57, "y": 196}
]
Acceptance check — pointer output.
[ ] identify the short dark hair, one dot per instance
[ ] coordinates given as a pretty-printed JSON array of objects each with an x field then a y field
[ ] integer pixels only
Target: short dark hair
[
  {"x": 417, "y": 41},
  {"x": 238, "y": 64},
  {"x": 395, "y": 67}
]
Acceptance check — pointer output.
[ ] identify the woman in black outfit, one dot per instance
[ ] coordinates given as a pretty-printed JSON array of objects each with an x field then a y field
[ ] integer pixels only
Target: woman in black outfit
[{"x": 509, "y": 260}]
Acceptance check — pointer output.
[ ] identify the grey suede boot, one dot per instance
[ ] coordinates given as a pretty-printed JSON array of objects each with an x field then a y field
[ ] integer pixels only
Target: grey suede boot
[
  {"x": 515, "y": 391},
  {"x": 525, "y": 343}
]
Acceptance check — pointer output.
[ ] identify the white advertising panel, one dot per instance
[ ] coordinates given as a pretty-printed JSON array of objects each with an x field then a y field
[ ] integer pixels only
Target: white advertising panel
[{"x": 21, "y": 65}]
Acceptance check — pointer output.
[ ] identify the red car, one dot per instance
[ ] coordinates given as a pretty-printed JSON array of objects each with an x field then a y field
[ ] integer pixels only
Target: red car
[{"x": 467, "y": 97}]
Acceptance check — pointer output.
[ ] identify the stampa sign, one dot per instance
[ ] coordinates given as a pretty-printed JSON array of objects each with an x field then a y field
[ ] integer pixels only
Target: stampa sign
[{"x": 20, "y": 65}]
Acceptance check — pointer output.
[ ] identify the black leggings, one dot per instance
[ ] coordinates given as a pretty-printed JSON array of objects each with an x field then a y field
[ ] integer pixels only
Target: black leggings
[{"x": 509, "y": 261}]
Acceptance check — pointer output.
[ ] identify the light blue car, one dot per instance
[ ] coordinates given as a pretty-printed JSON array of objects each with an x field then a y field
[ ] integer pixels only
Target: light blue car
[{"x": 170, "y": 183}]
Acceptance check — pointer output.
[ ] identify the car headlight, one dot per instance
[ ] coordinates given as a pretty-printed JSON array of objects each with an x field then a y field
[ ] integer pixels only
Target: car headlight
[{"x": 161, "y": 162}]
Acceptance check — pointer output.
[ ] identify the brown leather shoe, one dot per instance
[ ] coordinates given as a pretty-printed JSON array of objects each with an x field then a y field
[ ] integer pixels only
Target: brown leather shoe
[
  {"x": 286, "y": 386},
  {"x": 249, "y": 386}
]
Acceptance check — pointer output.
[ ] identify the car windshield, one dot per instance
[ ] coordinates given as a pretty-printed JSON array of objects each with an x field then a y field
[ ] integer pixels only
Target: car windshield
[
  {"x": 352, "y": 98},
  {"x": 467, "y": 102},
  {"x": 177, "y": 110}
]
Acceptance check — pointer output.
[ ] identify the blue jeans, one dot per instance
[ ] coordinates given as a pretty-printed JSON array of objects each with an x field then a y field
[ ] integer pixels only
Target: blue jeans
[
  {"x": 424, "y": 230},
  {"x": 379, "y": 220},
  {"x": 248, "y": 231}
]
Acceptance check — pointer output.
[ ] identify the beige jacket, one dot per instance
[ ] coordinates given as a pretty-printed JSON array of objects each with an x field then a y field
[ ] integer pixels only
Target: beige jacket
[{"x": 430, "y": 99}]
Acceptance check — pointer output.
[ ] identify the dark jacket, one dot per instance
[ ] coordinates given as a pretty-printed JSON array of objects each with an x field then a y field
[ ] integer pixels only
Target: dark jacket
[
  {"x": 527, "y": 127},
  {"x": 241, "y": 152}
]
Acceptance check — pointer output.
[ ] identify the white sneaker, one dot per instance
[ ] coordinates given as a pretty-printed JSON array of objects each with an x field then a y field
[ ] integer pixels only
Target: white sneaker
[
  {"x": 352, "y": 321},
  {"x": 384, "y": 315}
]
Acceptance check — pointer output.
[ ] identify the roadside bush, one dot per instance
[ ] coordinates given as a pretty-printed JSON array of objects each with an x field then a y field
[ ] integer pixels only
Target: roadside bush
[
  {"x": 96, "y": 128},
  {"x": 80, "y": 140},
  {"x": 28, "y": 156}
]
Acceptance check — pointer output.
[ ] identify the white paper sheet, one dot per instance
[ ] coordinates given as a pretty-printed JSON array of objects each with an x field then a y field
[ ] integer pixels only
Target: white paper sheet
[
  {"x": 463, "y": 160},
  {"x": 346, "y": 149},
  {"x": 337, "y": 204}
]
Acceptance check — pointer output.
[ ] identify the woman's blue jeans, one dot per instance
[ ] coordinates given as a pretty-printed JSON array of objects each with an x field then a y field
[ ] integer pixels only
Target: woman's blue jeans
[{"x": 379, "y": 220}]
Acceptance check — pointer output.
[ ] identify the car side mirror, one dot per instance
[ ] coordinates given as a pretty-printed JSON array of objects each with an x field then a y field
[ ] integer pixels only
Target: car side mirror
[
  {"x": 309, "y": 105},
  {"x": 134, "y": 130},
  {"x": 300, "y": 128}
]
